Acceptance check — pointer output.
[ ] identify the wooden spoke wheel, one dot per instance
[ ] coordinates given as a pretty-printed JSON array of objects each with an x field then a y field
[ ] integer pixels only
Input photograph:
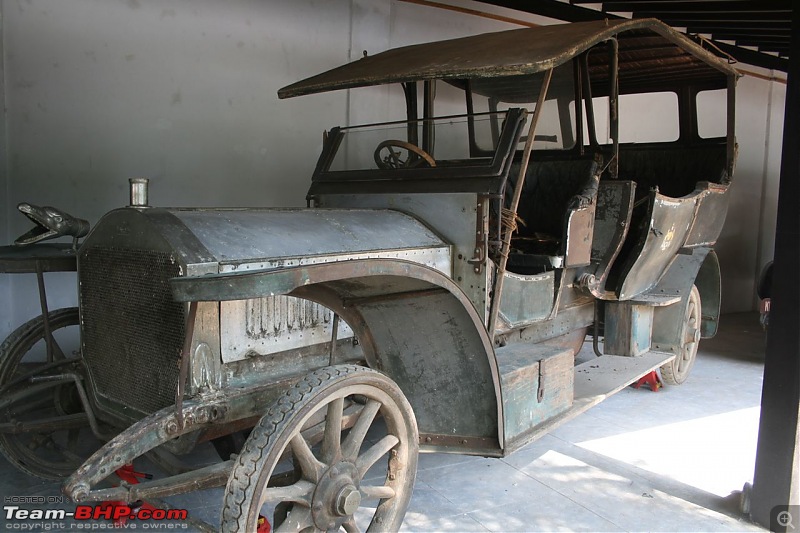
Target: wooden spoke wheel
[
  {"x": 334, "y": 481},
  {"x": 676, "y": 371},
  {"x": 44, "y": 430}
]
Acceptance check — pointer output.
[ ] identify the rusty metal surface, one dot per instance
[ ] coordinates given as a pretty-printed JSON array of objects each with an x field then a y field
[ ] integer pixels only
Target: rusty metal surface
[
  {"x": 580, "y": 233},
  {"x": 527, "y": 299},
  {"x": 709, "y": 285},
  {"x": 712, "y": 208},
  {"x": 453, "y": 216},
  {"x": 208, "y": 241},
  {"x": 161, "y": 427},
  {"x": 247, "y": 236},
  {"x": 611, "y": 224},
  {"x": 628, "y": 328},
  {"x": 272, "y": 324},
  {"x": 433, "y": 344},
  {"x": 520, "y": 52},
  {"x": 50, "y": 257},
  {"x": 664, "y": 233},
  {"x": 483, "y": 446}
]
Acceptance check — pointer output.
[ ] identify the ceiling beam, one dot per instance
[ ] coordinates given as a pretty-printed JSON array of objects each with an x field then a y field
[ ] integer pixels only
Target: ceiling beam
[
  {"x": 751, "y": 57},
  {"x": 574, "y": 13},
  {"x": 554, "y": 9},
  {"x": 662, "y": 2},
  {"x": 776, "y": 6},
  {"x": 688, "y": 18},
  {"x": 750, "y": 34},
  {"x": 710, "y": 26}
]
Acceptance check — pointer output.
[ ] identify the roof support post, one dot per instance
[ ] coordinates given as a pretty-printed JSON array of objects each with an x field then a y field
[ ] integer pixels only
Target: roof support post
[
  {"x": 523, "y": 169},
  {"x": 613, "y": 104},
  {"x": 777, "y": 475}
]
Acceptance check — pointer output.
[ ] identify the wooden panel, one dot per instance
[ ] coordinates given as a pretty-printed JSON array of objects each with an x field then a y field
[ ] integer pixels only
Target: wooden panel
[{"x": 537, "y": 384}]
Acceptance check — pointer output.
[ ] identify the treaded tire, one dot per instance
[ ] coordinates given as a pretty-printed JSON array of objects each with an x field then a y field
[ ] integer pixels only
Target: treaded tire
[
  {"x": 676, "y": 371},
  {"x": 246, "y": 490}
]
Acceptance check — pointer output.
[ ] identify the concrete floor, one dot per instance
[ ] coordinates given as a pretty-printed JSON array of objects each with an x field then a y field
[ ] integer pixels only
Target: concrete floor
[{"x": 640, "y": 461}]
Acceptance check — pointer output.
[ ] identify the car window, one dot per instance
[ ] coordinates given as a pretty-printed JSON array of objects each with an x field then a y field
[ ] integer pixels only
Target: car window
[
  {"x": 645, "y": 117},
  {"x": 556, "y": 127},
  {"x": 711, "y": 113}
]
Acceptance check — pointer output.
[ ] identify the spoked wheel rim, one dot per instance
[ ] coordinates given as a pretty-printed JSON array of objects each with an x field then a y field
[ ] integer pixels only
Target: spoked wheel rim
[
  {"x": 691, "y": 336},
  {"x": 333, "y": 479},
  {"x": 676, "y": 371},
  {"x": 54, "y": 451}
]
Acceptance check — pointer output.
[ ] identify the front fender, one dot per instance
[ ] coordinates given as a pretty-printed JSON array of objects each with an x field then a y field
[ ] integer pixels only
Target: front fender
[{"x": 414, "y": 324}]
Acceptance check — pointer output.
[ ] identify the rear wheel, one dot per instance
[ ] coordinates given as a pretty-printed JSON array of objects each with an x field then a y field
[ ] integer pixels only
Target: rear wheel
[
  {"x": 301, "y": 483},
  {"x": 676, "y": 371}
]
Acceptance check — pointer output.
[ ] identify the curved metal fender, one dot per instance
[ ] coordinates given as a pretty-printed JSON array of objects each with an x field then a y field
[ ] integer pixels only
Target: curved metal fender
[
  {"x": 414, "y": 324},
  {"x": 709, "y": 284},
  {"x": 162, "y": 426},
  {"x": 701, "y": 268}
]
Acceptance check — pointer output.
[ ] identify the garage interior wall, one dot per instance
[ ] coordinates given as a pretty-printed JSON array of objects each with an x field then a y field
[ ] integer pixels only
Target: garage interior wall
[{"x": 184, "y": 92}]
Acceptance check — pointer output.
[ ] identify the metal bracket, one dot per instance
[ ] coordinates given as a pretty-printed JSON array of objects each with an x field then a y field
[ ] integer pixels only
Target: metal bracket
[
  {"x": 540, "y": 390},
  {"x": 481, "y": 237}
]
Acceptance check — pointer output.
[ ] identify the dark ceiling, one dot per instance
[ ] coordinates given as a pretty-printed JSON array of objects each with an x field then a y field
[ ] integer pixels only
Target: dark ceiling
[{"x": 756, "y": 32}]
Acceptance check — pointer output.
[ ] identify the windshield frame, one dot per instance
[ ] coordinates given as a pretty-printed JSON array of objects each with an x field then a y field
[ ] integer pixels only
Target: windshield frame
[{"x": 481, "y": 178}]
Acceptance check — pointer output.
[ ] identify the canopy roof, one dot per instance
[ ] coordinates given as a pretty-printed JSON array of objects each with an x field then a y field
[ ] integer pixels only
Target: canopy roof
[{"x": 650, "y": 53}]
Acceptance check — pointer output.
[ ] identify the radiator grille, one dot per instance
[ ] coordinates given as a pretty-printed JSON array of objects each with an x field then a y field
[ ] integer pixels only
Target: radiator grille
[{"x": 132, "y": 328}]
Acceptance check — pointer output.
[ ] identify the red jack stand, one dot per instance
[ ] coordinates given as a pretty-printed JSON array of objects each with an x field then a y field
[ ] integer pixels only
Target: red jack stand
[
  {"x": 121, "y": 511},
  {"x": 263, "y": 525},
  {"x": 652, "y": 379}
]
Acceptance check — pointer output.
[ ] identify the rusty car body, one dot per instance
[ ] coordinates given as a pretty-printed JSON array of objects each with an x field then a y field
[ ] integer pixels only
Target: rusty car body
[{"x": 444, "y": 276}]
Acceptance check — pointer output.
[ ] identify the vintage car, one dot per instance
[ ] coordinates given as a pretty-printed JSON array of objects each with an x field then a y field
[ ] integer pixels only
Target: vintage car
[{"x": 432, "y": 297}]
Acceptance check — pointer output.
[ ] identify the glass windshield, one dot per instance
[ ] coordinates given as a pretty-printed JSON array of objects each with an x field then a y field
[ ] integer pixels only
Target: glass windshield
[
  {"x": 556, "y": 127},
  {"x": 441, "y": 141}
]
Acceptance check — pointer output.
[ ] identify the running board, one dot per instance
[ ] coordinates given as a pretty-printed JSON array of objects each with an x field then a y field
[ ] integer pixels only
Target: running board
[{"x": 596, "y": 380}]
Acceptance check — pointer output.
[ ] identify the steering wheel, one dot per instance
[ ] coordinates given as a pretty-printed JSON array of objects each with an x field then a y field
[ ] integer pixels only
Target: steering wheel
[{"x": 389, "y": 155}]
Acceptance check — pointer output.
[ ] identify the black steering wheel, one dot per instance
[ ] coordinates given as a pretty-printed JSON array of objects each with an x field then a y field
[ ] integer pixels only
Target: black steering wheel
[{"x": 392, "y": 153}]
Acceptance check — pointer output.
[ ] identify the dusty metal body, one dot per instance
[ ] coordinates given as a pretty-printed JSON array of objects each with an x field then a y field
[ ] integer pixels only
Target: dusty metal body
[{"x": 467, "y": 274}]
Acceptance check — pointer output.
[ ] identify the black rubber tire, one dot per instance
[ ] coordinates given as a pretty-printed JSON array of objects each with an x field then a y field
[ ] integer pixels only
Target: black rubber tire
[
  {"x": 12, "y": 352},
  {"x": 269, "y": 440},
  {"x": 676, "y": 371}
]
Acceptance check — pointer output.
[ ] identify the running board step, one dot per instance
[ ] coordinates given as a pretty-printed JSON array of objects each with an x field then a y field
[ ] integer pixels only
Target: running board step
[{"x": 596, "y": 380}]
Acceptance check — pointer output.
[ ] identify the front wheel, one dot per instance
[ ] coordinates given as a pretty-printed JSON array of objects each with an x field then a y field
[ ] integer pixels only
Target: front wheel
[
  {"x": 676, "y": 371},
  {"x": 304, "y": 483}
]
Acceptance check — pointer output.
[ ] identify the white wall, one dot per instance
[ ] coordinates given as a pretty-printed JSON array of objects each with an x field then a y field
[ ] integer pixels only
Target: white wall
[
  {"x": 184, "y": 92},
  {"x": 748, "y": 238}
]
